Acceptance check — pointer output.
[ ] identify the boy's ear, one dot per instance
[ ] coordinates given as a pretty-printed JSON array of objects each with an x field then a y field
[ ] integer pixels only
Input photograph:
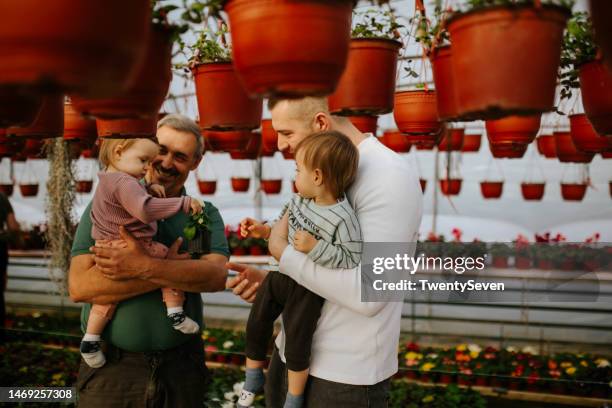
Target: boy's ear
[{"x": 317, "y": 176}]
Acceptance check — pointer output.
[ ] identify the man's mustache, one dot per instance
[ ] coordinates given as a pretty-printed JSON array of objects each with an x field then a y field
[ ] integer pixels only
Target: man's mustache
[{"x": 166, "y": 172}]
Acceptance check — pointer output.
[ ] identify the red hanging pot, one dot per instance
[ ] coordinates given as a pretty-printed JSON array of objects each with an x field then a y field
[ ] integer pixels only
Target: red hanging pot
[
  {"x": 508, "y": 151},
  {"x": 18, "y": 106},
  {"x": 33, "y": 149},
  {"x": 491, "y": 189},
  {"x": 471, "y": 143},
  {"x": 287, "y": 155},
  {"x": 84, "y": 186},
  {"x": 223, "y": 103},
  {"x": 28, "y": 190},
  {"x": 513, "y": 129},
  {"x": 207, "y": 187},
  {"x": 127, "y": 128},
  {"x": 423, "y": 184},
  {"x": 533, "y": 191},
  {"x": 573, "y": 191},
  {"x": 567, "y": 152},
  {"x": 452, "y": 140},
  {"x": 7, "y": 189},
  {"x": 78, "y": 127},
  {"x": 585, "y": 137},
  {"x": 367, "y": 85},
  {"x": 506, "y": 58},
  {"x": 396, "y": 141},
  {"x": 145, "y": 96},
  {"x": 240, "y": 184},
  {"x": 365, "y": 124},
  {"x": 546, "y": 146},
  {"x": 89, "y": 47},
  {"x": 601, "y": 14},
  {"x": 252, "y": 150},
  {"x": 606, "y": 155},
  {"x": 228, "y": 141},
  {"x": 416, "y": 113},
  {"x": 441, "y": 63},
  {"x": 272, "y": 186},
  {"x": 301, "y": 47},
  {"x": 269, "y": 137},
  {"x": 596, "y": 90},
  {"x": 450, "y": 186},
  {"x": 48, "y": 123}
]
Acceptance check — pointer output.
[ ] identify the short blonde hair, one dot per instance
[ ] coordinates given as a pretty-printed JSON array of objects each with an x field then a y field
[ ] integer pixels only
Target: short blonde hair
[
  {"x": 304, "y": 108},
  {"x": 108, "y": 145}
]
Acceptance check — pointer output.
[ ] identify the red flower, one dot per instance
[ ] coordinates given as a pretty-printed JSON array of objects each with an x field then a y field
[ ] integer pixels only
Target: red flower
[{"x": 412, "y": 346}]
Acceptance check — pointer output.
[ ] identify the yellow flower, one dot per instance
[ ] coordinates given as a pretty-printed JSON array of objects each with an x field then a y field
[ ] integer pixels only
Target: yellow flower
[
  {"x": 570, "y": 370},
  {"x": 411, "y": 355},
  {"x": 461, "y": 347},
  {"x": 566, "y": 364},
  {"x": 57, "y": 376},
  {"x": 428, "y": 399},
  {"x": 474, "y": 354},
  {"x": 427, "y": 366},
  {"x": 584, "y": 363}
]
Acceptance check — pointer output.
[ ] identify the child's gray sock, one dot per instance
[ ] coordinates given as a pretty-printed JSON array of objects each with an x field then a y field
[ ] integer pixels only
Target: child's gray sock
[
  {"x": 294, "y": 401},
  {"x": 255, "y": 379}
]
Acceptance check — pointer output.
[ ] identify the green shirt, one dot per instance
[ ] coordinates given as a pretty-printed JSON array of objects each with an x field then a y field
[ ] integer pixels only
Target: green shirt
[{"x": 140, "y": 323}]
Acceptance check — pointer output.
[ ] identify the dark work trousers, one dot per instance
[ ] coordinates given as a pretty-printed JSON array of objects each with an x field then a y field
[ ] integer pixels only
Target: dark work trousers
[
  {"x": 174, "y": 378},
  {"x": 321, "y": 393},
  {"x": 300, "y": 308}
]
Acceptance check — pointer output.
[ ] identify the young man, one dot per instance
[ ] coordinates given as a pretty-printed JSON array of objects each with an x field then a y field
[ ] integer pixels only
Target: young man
[
  {"x": 145, "y": 356},
  {"x": 354, "y": 350}
]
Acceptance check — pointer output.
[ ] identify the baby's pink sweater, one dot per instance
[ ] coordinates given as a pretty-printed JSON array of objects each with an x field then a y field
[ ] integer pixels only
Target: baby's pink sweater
[{"x": 121, "y": 199}]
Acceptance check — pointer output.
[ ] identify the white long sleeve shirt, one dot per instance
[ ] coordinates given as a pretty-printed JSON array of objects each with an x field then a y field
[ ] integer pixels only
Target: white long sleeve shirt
[{"x": 356, "y": 342}]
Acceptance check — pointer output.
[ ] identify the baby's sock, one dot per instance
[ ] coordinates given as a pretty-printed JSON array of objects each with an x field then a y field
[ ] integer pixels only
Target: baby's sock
[
  {"x": 253, "y": 383},
  {"x": 181, "y": 322},
  {"x": 294, "y": 401},
  {"x": 91, "y": 350}
]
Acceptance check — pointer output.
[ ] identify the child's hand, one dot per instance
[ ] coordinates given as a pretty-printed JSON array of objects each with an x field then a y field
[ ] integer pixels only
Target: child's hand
[
  {"x": 303, "y": 241},
  {"x": 196, "y": 206},
  {"x": 250, "y": 228},
  {"x": 157, "y": 190}
]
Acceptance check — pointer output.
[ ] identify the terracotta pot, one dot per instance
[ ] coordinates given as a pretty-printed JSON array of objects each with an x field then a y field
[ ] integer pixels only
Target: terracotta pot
[
  {"x": 365, "y": 124},
  {"x": 573, "y": 191},
  {"x": 452, "y": 140},
  {"x": 240, "y": 184},
  {"x": 80, "y": 46},
  {"x": 601, "y": 14},
  {"x": 491, "y": 189},
  {"x": 508, "y": 151},
  {"x": 48, "y": 123},
  {"x": 368, "y": 83},
  {"x": 544, "y": 264},
  {"x": 513, "y": 129},
  {"x": 239, "y": 251},
  {"x": 126, "y": 128},
  {"x": 396, "y": 141},
  {"x": 287, "y": 155},
  {"x": 606, "y": 155},
  {"x": 522, "y": 262},
  {"x": 228, "y": 141},
  {"x": 301, "y": 47},
  {"x": 33, "y": 148},
  {"x": 585, "y": 137},
  {"x": 421, "y": 145},
  {"x": 18, "y": 106},
  {"x": 498, "y": 261},
  {"x": 506, "y": 59},
  {"x": 481, "y": 381},
  {"x": 596, "y": 90},
  {"x": 546, "y": 146},
  {"x": 78, "y": 127},
  {"x": 441, "y": 65},
  {"x": 533, "y": 191},
  {"x": 471, "y": 143},
  {"x": 252, "y": 150},
  {"x": 7, "y": 189},
  {"x": 145, "y": 96},
  {"x": 269, "y": 137},
  {"x": 446, "y": 379},
  {"x": 223, "y": 103},
  {"x": 256, "y": 250},
  {"x": 423, "y": 184},
  {"x": 28, "y": 190},
  {"x": 84, "y": 186},
  {"x": 567, "y": 152},
  {"x": 272, "y": 186},
  {"x": 207, "y": 187},
  {"x": 416, "y": 112},
  {"x": 467, "y": 381},
  {"x": 450, "y": 186}
]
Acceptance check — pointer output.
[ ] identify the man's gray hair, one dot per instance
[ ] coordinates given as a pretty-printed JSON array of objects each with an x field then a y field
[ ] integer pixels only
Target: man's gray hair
[{"x": 182, "y": 123}]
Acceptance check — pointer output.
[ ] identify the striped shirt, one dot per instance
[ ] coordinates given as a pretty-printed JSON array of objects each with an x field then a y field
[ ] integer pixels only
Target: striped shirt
[
  {"x": 121, "y": 199},
  {"x": 335, "y": 227}
]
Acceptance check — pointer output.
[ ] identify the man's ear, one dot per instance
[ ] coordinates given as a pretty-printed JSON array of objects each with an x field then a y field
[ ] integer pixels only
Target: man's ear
[
  {"x": 322, "y": 122},
  {"x": 196, "y": 163},
  {"x": 317, "y": 177}
]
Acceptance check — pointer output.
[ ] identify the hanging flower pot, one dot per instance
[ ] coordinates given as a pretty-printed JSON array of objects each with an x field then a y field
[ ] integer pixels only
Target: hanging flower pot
[
  {"x": 416, "y": 113},
  {"x": 78, "y": 127},
  {"x": 452, "y": 140},
  {"x": 89, "y": 47},
  {"x": 513, "y": 129},
  {"x": 596, "y": 90},
  {"x": 508, "y": 151},
  {"x": 365, "y": 124},
  {"x": 223, "y": 104},
  {"x": 228, "y": 141},
  {"x": 450, "y": 186},
  {"x": 368, "y": 82},
  {"x": 585, "y": 137},
  {"x": 269, "y": 137},
  {"x": 84, "y": 186},
  {"x": 532, "y": 191},
  {"x": 471, "y": 143},
  {"x": 491, "y": 189},
  {"x": 301, "y": 46},
  {"x": 272, "y": 186},
  {"x": 7, "y": 189},
  {"x": 546, "y": 146},
  {"x": 240, "y": 184},
  {"x": 396, "y": 141},
  {"x": 499, "y": 261},
  {"x": 207, "y": 187},
  {"x": 33, "y": 148},
  {"x": 127, "y": 128},
  {"x": 522, "y": 262},
  {"x": 506, "y": 59},
  {"x": 287, "y": 155},
  {"x": 48, "y": 123},
  {"x": 145, "y": 96},
  {"x": 252, "y": 150},
  {"x": 18, "y": 106},
  {"x": 423, "y": 184},
  {"x": 567, "y": 152},
  {"x": 607, "y": 154},
  {"x": 573, "y": 191},
  {"x": 441, "y": 64},
  {"x": 28, "y": 190}
]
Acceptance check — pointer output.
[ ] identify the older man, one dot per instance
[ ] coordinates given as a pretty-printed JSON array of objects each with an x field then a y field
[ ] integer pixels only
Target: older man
[
  {"x": 148, "y": 362},
  {"x": 354, "y": 350}
]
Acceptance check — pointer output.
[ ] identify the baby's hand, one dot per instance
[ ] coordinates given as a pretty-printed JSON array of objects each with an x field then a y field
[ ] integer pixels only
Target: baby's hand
[
  {"x": 157, "y": 190},
  {"x": 196, "y": 206},
  {"x": 303, "y": 241},
  {"x": 250, "y": 228}
]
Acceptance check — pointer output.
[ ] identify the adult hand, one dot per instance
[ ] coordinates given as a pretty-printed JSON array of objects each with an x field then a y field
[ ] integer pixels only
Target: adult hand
[
  {"x": 246, "y": 283},
  {"x": 279, "y": 237}
]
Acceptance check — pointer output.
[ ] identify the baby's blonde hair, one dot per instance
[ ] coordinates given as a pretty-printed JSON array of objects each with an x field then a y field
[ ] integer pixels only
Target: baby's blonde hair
[{"x": 107, "y": 146}]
